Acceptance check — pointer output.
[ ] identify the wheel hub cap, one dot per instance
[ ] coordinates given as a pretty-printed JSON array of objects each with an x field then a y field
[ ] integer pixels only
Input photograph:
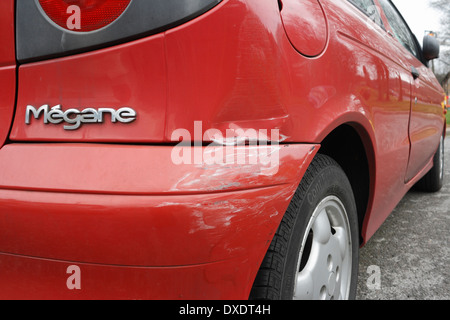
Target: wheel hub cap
[{"x": 326, "y": 254}]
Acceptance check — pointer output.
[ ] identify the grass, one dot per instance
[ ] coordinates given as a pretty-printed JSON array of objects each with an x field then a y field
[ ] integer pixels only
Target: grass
[{"x": 448, "y": 117}]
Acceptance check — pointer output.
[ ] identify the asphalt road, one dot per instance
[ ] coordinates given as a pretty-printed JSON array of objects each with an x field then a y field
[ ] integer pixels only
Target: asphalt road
[{"x": 408, "y": 258}]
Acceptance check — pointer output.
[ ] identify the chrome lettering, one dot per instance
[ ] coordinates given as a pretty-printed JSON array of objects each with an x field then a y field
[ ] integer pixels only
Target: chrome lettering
[{"x": 74, "y": 118}]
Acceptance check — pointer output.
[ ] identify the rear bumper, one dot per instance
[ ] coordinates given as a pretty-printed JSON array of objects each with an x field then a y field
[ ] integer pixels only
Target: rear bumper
[
  {"x": 27, "y": 278},
  {"x": 137, "y": 225}
]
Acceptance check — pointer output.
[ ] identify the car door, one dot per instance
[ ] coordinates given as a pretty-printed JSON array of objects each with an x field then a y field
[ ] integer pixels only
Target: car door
[
  {"x": 425, "y": 125},
  {"x": 7, "y": 68}
]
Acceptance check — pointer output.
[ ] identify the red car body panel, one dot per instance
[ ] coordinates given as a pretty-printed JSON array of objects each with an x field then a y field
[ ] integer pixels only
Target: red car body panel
[
  {"x": 196, "y": 225},
  {"x": 7, "y": 68},
  {"x": 306, "y": 26},
  {"x": 34, "y": 278},
  {"x": 128, "y": 75},
  {"x": 140, "y": 226}
]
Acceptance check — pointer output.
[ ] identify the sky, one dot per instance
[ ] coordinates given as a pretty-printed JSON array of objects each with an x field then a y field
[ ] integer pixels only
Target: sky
[{"x": 419, "y": 16}]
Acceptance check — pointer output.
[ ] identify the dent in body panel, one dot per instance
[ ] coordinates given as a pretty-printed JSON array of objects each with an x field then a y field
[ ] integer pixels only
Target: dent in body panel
[{"x": 236, "y": 77}]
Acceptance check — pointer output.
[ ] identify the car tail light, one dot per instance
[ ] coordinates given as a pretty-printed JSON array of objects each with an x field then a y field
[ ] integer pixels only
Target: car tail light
[
  {"x": 54, "y": 28},
  {"x": 83, "y": 15}
]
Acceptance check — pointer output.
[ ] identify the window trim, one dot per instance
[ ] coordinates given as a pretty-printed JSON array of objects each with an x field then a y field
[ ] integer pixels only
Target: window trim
[
  {"x": 419, "y": 49},
  {"x": 382, "y": 26}
]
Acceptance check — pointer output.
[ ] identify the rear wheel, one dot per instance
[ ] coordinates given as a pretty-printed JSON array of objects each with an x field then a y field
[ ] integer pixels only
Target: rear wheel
[
  {"x": 434, "y": 179},
  {"x": 314, "y": 254}
]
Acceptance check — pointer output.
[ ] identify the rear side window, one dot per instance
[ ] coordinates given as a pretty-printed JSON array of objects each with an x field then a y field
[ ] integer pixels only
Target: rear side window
[
  {"x": 364, "y": 5},
  {"x": 369, "y": 8},
  {"x": 399, "y": 27}
]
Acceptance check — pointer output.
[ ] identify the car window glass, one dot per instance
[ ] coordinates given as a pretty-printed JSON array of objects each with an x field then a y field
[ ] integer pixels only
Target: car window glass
[
  {"x": 369, "y": 8},
  {"x": 399, "y": 27}
]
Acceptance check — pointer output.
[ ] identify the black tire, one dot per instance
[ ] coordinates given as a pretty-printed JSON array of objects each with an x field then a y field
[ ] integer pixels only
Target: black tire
[
  {"x": 276, "y": 279},
  {"x": 434, "y": 179}
]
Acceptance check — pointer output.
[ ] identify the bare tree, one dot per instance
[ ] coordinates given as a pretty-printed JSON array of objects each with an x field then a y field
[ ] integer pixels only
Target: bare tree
[{"x": 443, "y": 63}]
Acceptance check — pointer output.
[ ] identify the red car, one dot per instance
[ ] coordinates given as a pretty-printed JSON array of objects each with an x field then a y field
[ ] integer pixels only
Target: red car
[{"x": 206, "y": 149}]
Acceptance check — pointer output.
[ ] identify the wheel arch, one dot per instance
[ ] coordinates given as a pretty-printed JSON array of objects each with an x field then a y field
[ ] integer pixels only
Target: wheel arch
[{"x": 351, "y": 145}]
